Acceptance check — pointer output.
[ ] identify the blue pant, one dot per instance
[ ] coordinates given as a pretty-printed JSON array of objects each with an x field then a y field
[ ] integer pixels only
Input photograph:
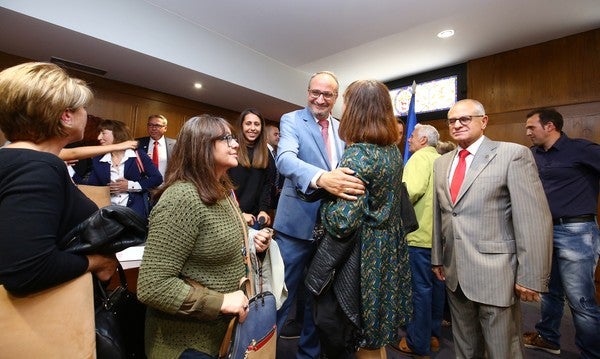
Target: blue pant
[
  {"x": 297, "y": 254},
  {"x": 574, "y": 259},
  {"x": 428, "y": 301}
]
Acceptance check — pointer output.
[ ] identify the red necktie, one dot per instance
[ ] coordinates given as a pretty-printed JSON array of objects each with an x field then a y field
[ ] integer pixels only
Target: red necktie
[
  {"x": 325, "y": 133},
  {"x": 155, "y": 154},
  {"x": 459, "y": 174}
]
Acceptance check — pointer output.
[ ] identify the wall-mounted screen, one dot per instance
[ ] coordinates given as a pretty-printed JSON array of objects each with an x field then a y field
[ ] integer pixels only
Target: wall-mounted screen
[
  {"x": 436, "y": 92},
  {"x": 430, "y": 96}
]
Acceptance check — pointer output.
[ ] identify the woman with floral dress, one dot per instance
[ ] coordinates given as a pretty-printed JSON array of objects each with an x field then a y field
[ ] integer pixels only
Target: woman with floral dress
[{"x": 369, "y": 128}]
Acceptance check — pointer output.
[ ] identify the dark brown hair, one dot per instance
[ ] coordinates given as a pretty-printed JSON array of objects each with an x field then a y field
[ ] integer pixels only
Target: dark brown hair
[
  {"x": 369, "y": 116},
  {"x": 121, "y": 132},
  {"x": 193, "y": 161},
  {"x": 260, "y": 158},
  {"x": 547, "y": 115}
]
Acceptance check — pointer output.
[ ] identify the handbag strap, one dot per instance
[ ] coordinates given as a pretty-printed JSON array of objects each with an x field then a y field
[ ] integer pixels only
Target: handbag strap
[
  {"x": 122, "y": 277},
  {"x": 226, "y": 343},
  {"x": 247, "y": 260},
  {"x": 138, "y": 161}
]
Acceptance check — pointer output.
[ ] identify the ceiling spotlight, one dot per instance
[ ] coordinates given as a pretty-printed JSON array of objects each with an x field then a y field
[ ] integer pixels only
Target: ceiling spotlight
[
  {"x": 445, "y": 34},
  {"x": 198, "y": 85}
]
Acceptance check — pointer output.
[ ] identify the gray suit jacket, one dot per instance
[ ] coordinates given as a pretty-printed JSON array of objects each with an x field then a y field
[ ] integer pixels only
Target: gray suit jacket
[{"x": 499, "y": 232}]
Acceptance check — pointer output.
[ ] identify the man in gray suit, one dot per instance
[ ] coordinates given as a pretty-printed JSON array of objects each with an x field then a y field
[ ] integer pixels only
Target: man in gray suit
[
  {"x": 492, "y": 235},
  {"x": 161, "y": 152}
]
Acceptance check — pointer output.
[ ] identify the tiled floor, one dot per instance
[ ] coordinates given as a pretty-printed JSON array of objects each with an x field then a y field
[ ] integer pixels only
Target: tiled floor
[{"x": 287, "y": 347}]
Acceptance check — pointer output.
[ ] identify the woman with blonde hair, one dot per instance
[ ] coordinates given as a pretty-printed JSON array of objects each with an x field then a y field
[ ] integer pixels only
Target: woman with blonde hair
[{"x": 42, "y": 109}]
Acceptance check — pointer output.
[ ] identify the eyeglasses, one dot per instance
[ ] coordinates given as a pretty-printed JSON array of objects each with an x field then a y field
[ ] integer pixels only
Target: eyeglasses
[
  {"x": 229, "y": 138},
  {"x": 326, "y": 95},
  {"x": 152, "y": 125},
  {"x": 464, "y": 120}
]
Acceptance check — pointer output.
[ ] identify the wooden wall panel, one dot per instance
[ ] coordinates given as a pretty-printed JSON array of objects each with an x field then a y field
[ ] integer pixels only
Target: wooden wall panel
[
  {"x": 554, "y": 73},
  {"x": 133, "y": 104}
]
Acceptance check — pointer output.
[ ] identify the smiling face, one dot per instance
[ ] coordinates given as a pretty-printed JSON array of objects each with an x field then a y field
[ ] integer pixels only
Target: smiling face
[
  {"x": 106, "y": 137},
  {"x": 156, "y": 127},
  {"x": 225, "y": 153},
  {"x": 251, "y": 127},
  {"x": 326, "y": 87},
  {"x": 467, "y": 133}
]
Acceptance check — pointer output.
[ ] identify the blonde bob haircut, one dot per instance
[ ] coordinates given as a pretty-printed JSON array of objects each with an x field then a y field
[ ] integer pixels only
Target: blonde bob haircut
[
  {"x": 368, "y": 116},
  {"x": 33, "y": 97}
]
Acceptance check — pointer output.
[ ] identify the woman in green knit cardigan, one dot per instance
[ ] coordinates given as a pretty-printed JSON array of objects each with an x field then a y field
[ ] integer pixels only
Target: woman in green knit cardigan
[{"x": 193, "y": 262}]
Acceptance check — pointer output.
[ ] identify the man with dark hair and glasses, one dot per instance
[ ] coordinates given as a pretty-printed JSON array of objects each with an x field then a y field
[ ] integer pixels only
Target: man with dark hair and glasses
[
  {"x": 308, "y": 151},
  {"x": 492, "y": 235},
  {"x": 570, "y": 172},
  {"x": 156, "y": 145}
]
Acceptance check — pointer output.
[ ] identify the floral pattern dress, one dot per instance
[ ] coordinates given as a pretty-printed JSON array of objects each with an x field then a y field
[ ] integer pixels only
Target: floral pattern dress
[{"x": 385, "y": 279}]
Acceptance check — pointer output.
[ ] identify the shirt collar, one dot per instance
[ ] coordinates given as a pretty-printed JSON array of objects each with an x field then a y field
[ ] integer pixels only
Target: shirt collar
[
  {"x": 161, "y": 141},
  {"x": 474, "y": 147},
  {"x": 317, "y": 120},
  {"x": 560, "y": 142},
  {"x": 129, "y": 153}
]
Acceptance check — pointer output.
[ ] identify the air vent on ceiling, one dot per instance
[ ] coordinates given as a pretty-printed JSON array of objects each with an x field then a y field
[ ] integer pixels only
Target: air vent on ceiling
[{"x": 77, "y": 66}]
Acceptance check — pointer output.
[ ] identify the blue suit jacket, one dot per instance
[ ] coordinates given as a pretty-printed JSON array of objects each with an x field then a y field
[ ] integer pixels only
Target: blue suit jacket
[
  {"x": 100, "y": 176},
  {"x": 301, "y": 153}
]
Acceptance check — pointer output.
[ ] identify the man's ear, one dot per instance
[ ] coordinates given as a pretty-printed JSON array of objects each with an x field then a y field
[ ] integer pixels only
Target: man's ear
[{"x": 550, "y": 126}]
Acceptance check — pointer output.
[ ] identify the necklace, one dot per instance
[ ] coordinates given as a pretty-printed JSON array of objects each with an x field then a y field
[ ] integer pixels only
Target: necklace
[{"x": 116, "y": 158}]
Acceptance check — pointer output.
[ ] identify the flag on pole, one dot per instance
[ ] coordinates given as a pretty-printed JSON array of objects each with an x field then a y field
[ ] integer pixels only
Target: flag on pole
[{"x": 411, "y": 121}]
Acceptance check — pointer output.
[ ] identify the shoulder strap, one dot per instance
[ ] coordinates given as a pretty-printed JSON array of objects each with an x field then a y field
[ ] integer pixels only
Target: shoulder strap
[
  {"x": 247, "y": 260},
  {"x": 138, "y": 161}
]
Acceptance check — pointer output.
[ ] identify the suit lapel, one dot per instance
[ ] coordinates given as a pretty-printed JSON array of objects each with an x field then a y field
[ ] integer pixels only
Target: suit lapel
[
  {"x": 339, "y": 144},
  {"x": 446, "y": 166},
  {"x": 485, "y": 153}
]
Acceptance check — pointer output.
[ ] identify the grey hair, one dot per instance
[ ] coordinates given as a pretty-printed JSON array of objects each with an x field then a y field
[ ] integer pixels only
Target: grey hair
[
  {"x": 433, "y": 136},
  {"x": 324, "y": 73}
]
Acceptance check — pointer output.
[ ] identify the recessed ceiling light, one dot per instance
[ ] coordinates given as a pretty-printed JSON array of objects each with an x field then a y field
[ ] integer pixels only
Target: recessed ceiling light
[
  {"x": 198, "y": 85},
  {"x": 445, "y": 34}
]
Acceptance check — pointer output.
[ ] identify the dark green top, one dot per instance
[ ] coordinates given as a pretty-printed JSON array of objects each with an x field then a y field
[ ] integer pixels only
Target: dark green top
[
  {"x": 189, "y": 239},
  {"x": 385, "y": 280}
]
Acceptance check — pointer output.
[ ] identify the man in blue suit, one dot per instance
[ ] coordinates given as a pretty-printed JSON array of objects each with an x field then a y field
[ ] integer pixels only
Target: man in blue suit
[{"x": 308, "y": 152}]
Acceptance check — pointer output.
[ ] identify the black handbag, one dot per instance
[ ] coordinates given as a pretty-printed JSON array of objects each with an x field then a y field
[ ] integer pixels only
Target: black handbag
[
  {"x": 119, "y": 321},
  {"x": 109, "y": 230}
]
